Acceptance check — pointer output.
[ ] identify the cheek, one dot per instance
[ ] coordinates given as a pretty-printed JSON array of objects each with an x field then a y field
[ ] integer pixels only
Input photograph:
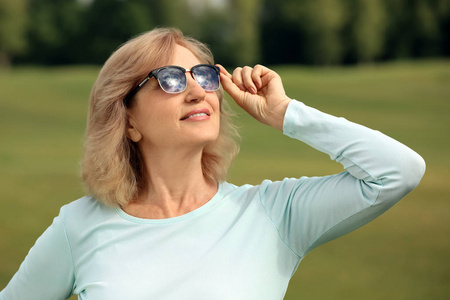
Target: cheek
[
  {"x": 156, "y": 110},
  {"x": 214, "y": 102},
  {"x": 145, "y": 122},
  {"x": 155, "y": 121}
]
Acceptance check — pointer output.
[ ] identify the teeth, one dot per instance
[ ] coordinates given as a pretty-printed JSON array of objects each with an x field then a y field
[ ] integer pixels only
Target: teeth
[{"x": 196, "y": 115}]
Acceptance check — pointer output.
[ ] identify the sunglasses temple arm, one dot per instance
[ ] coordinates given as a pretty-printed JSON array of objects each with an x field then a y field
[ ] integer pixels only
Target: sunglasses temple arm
[
  {"x": 136, "y": 89},
  {"x": 146, "y": 79}
]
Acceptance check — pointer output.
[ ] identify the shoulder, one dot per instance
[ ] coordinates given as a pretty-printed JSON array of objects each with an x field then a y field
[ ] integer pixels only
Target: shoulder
[
  {"x": 264, "y": 189},
  {"x": 83, "y": 205},
  {"x": 228, "y": 189},
  {"x": 85, "y": 212}
]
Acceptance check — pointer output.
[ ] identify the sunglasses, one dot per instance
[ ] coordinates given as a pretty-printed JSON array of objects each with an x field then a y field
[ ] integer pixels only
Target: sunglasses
[{"x": 173, "y": 79}]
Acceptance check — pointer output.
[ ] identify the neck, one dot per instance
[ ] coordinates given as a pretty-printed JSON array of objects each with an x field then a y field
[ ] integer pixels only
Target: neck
[{"x": 174, "y": 185}]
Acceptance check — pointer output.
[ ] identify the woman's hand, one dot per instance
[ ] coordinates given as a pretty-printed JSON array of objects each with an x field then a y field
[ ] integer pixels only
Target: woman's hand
[{"x": 259, "y": 91}]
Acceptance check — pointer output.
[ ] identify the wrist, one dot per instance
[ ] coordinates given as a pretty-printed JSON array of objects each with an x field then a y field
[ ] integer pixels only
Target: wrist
[{"x": 277, "y": 114}]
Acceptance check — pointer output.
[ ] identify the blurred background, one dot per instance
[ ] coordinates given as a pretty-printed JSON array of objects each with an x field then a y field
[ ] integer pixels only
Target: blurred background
[
  {"x": 382, "y": 63},
  {"x": 313, "y": 32}
]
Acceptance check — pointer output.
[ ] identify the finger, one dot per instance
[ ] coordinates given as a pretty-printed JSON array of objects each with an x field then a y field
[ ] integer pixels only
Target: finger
[
  {"x": 224, "y": 71},
  {"x": 265, "y": 75},
  {"x": 226, "y": 79},
  {"x": 231, "y": 88},
  {"x": 256, "y": 76},
  {"x": 237, "y": 79},
  {"x": 269, "y": 75},
  {"x": 247, "y": 77}
]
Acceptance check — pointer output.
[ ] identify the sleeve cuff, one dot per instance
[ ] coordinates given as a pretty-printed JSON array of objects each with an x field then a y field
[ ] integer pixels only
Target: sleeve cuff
[{"x": 290, "y": 117}]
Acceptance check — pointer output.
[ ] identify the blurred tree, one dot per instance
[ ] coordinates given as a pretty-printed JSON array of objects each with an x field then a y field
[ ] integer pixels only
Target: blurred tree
[
  {"x": 52, "y": 31},
  {"x": 443, "y": 14},
  {"x": 173, "y": 13},
  {"x": 240, "y": 32},
  {"x": 366, "y": 29},
  {"x": 414, "y": 28},
  {"x": 13, "y": 19},
  {"x": 245, "y": 31},
  {"x": 321, "y": 22},
  {"x": 282, "y": 40},
  {"x": 109, "y": 23},
  {"x": 53, "y": 28},
  {"x": 215, "y": 29},
  {"x": 426, "y": 25},
  {"x": 230, "y": 28},
  {"x": 399, "y": 31}
]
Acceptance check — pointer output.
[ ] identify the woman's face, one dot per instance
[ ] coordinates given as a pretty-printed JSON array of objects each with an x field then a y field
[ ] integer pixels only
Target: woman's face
[{"x": 158, "y": 120}]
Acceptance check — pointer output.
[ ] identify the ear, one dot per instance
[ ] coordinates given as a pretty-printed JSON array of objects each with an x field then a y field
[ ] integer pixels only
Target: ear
[{"x": 132, "y": 131}]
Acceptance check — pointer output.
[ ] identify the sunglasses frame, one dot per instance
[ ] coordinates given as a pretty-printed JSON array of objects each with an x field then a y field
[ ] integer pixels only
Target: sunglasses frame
[{"x": 154, "y": 73}]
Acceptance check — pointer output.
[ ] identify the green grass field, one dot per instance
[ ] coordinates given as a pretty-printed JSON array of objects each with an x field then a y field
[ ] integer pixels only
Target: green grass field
[{"x": 401, "y": 255}]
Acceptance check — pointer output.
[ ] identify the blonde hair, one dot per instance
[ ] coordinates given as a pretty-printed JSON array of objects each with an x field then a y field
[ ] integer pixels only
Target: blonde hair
[{"x": 112, "y": 165}]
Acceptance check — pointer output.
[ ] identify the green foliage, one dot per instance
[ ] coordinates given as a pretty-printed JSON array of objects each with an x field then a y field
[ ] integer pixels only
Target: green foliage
[
  {"x": 174, "y": 13},
  {"x": 417, "y": 28},
  {"x": 109, "y": 23},
  {"x": 218, "y": 36},
  {"x": 13, "y": 19},
  {"x": 321, "y": 22},
  {"x": 245, "y": 20},
  {"x": 427, "y": 28},
  {"x": 240, "y": 32},
  {"x": 349, "y": 31},
  {"x": 53, "y": 30},
  {"x": 367, "y": 28},
  {"x": 231, "y": 30}
]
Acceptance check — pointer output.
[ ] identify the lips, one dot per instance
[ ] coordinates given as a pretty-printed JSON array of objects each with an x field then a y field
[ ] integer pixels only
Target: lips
[{"x": 196, "y": 114}]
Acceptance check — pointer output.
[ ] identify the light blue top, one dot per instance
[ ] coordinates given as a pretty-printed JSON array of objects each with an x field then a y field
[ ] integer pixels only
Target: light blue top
[{"x": 245, "y": 243}]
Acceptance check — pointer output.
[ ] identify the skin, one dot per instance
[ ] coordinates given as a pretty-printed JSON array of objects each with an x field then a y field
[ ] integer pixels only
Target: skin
[
  {"x": 172, "y": 146},
  {"x": 259, "y": 91}
]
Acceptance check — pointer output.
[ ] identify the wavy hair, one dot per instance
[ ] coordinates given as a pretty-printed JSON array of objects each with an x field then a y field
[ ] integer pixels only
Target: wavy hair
[{"x": 112, "y": 166}]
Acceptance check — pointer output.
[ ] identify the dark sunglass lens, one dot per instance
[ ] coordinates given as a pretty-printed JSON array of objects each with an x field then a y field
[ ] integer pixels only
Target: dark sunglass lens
[
  {"x": 172, "y": 80},
  {"x": 207, "y": 78}
]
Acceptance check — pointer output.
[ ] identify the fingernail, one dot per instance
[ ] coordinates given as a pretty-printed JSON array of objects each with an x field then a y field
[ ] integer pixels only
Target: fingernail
[
  {"x": 253, "y": 90},
  {"x": 242, "y": 87}
]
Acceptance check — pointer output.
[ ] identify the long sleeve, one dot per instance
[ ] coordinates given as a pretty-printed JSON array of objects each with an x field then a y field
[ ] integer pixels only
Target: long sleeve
[
  {"x": 47, "y": 271},
  {"x": 379, "y": 172}
]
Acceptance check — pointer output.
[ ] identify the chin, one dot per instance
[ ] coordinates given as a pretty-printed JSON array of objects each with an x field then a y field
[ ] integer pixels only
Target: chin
[
  {"x": 206, "y": 138},
  {"x": 202, "y": 135},
  {"x": 210, "y": 139}
]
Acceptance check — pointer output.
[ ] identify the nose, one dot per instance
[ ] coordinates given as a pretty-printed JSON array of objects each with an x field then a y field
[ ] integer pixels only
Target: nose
[{"x": 194, "y": 91}]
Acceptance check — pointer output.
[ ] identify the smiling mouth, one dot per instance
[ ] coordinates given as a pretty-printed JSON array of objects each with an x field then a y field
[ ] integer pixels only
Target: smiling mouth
[{"x": 195, "y": 115}]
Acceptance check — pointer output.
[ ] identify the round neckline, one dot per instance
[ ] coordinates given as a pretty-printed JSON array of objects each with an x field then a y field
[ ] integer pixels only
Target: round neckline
[{"x": 180, "y": 218}]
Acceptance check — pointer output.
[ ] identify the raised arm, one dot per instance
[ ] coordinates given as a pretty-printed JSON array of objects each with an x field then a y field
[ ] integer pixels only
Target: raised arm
[
  {"x": 311, "y": 211},
  {"x": 379, "y": 172}
]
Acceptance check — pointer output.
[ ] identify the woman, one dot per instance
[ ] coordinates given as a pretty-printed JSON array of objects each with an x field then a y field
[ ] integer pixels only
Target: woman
[{"x": 161, "y": 222}]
